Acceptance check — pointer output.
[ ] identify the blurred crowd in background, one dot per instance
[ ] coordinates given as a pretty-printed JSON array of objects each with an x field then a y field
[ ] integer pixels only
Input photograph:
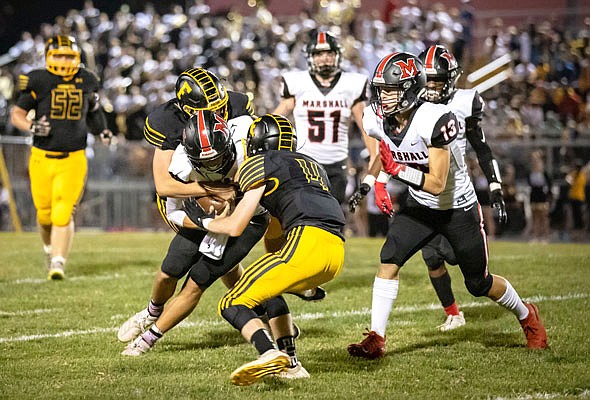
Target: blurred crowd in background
[{"x": 138, "y": 55}]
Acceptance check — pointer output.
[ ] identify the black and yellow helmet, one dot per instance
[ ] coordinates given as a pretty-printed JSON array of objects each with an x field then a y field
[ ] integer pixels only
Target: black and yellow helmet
[
  {"x": 55, "y": 49},
  {"x": 270, "y": 132},
  {"x": 199, "y": 89}
]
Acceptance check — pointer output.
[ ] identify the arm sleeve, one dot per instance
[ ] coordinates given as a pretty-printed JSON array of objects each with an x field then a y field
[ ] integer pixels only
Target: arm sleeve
[
  {"x": 477, "y": 140},
  {"x": 95, "y": 119}
]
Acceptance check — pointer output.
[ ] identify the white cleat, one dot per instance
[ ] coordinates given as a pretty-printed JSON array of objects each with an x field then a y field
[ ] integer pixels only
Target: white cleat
[
  {"x": 270, "y": 363},
  {"x": 452, "y": 322},
  {"x": 135, "y": 326},
  {"x": 56, "y": 271},
  {"x": 296, "y": 372},
  {"x": 136, "y": 348}
]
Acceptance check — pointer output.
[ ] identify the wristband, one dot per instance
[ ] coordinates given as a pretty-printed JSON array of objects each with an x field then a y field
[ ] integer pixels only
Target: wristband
[
  {"x": 495, "y": 186},
  {"x": 383, "y": 177},
  {"x": 412, "y": 176},
  {"x": 369, "y": 180}
]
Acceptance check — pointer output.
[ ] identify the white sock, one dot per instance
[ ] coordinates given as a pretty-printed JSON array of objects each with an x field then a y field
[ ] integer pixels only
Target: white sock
[
  {"x": 58, "y": 259},
  {"x": 47, "y": 249},
  {"x": 512, "y": 301},
  {"x": 384, "y": 294}
]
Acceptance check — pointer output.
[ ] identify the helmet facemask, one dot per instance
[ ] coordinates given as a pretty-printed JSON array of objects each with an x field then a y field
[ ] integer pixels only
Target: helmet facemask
[
  {"x": 324, "y": 63},
  {"x": 323, "y": 55},
  {"x": 62, "y": 56},
  {"x": 208, "y": 145}
]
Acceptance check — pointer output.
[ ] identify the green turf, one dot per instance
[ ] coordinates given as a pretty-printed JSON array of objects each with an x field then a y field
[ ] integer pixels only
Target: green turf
[{"x": 58, "y": 339}]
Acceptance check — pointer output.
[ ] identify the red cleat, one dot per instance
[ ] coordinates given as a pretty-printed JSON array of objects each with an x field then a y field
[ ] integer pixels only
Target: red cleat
[
  {"x": 372, "y": 347},
  {"x": 533, "y": 328}
]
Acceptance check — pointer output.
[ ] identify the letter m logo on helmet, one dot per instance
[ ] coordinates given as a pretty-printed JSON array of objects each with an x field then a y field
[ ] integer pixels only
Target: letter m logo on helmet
[{"x": 408, "y": 68}]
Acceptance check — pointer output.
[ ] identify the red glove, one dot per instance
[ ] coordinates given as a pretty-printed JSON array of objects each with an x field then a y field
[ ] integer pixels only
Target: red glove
[
  {"x": 382, "y": 199},
  {"x": 389, "y": 164}
]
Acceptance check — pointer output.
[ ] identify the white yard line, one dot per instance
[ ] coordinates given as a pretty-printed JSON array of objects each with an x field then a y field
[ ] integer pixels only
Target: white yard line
[
  {"x": 22, "y": 313},
  {"x": 304, "y": 316},
  {"x": 546, "y": 396}
]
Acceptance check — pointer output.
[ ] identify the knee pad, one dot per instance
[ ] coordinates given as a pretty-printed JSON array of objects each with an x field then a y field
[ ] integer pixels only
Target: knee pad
[
  {"x": 175, "y": 266},
  {"x": 44, "y": 216},
  {"x": 479, "y": 287},
  {"x": 276, "y": 307},
  {"x": 432, "y": 259},
  {"x": 238, "y": 316},
  {"x": 205, "y": 273},
  {"x": 61, "y": 214}
]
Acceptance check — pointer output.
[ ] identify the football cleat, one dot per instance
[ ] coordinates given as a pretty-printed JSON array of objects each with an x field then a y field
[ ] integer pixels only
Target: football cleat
[
  {"x": 452, "y": 322},
  {"x": 533, "y": 328},
  {"x": 373, "y": 346},
  {"x": 56, "y": 271},
  {"x": 315, "y": 294},
  {"x": 136, "y": 348},
  {"x": 270, "y": 363},
  {"x": 135, "y": 326},
  {"x": 296, "y": 372}
]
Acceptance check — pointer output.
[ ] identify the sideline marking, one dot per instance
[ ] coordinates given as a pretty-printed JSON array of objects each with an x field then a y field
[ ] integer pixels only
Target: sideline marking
[{"x": 304, "y": 316}]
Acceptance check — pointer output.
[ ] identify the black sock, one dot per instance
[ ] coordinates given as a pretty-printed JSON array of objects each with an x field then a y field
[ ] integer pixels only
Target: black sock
[
  {"x": 287, "y": 344},
  {"x": 442, "y": 286},
  {"x": 262, "y": 341}
]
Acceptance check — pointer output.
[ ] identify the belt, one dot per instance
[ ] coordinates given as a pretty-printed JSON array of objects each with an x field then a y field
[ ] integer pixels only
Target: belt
[{"x": 58, "y": 156}]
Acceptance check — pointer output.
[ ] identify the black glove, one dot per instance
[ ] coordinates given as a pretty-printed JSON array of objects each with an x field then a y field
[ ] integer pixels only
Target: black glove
[
  {"x": 40, "y": 127},
  {"x": 196, "y": 213},
  {"x": 499, "y": 206},
  {"x": 357, "y": 196}
]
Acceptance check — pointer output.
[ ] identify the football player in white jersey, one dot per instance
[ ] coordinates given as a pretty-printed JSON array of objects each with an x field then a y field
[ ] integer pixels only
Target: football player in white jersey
[
  {"x": 418, "y": 147},
  {"x": 442, "y": 73},
  {"x": 211, "y": 151},
  {"x": 324, "y": 101}
]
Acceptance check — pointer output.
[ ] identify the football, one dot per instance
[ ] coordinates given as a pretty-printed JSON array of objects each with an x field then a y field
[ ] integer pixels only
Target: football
[
  {"x": 219, "y": 195},
  {"x": 218, "y": 203}
]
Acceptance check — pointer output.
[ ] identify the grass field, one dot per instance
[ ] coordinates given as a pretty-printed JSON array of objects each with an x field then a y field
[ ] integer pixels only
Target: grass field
[{"x": 58, "y": 339}]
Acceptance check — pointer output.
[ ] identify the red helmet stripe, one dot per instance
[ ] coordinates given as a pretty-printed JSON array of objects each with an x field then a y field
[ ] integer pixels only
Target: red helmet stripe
[
  {"x": 381, "y": 66},
  {"x": 429, "y": 60},
  {"x": 322, "y": 38},
  {"x": 202, "y": 129}
]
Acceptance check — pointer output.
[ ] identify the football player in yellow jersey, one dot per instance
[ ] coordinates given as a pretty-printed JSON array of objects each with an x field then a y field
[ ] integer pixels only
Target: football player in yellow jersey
[
  {"x": 65, "y": 98},
  {"x": 295, "y": 189}
]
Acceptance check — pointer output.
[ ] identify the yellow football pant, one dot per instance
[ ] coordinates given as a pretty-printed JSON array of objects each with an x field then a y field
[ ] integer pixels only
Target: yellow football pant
[
  {"x": 310, "y": 257},
  {"x": 56, "y": 184}
]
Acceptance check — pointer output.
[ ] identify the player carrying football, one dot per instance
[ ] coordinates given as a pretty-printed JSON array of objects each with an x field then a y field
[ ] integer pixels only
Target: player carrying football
[{"x": 294, "y": 189}]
